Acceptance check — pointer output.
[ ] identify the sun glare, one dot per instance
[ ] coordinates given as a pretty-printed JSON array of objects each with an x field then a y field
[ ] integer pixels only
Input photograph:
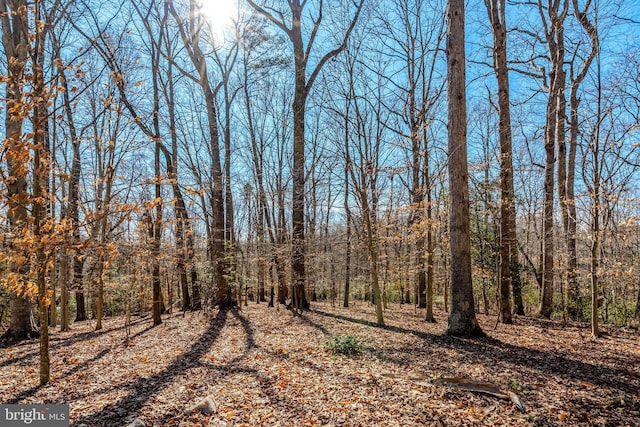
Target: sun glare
[{"x": 220, "y": 14}]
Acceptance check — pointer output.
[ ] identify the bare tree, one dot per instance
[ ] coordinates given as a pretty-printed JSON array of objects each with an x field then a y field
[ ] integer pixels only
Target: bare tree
[
  {"x": 303, "y": 84},
  {"x": 258, "y": 63},
  {"x": 462, "y": 318},
  {"x": 41, "y": 216},
  {"x": 568, "y": 203},
  {"x": 109, "y": 47},
  {"x": 415, "y": 34},
  {"x": 191, "y": 34},
  {"x": 73, "y": 199},
  {"x": 554, "y": 37},
  {"x": 509, "y": 268}
]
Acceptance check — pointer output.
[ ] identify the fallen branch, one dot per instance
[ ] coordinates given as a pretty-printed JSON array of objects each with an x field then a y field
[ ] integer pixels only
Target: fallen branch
[
  {"x": 466, "y": 384},
  {"x": 484, "y": 387}
]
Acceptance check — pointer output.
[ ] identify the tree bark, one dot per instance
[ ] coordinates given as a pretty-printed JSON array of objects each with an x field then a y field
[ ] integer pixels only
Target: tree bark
[
  {"x": 190, "y": 32},
  {"x": 372, "y": 245},
  {"x": 73, "y": 203},
  {"x": 64, "y": 291},
  {"x": 637, "y": 312},
  {"x": 14, "y": 40},
  {"x": 561, "y": 111},
  {"x": 183, "y": 231},
  {"x": 509, "y": 276},
  {"x": 155, "y": 234},
  {"x": 462, "y": 318},
  {"x": 298, "y": 176},
  {"x": 428, "y": 184},
  {"x": 40, "y": 197},
  {"x": 575, "y": 300},
  {"x": 554, "y": 35},
  {"x": 430, "y": 249},
  {"x": 595, "y": 209},
  {"x": 347, "y": 262}
]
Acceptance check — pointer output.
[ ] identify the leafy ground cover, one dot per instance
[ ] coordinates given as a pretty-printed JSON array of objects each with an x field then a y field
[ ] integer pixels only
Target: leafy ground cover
[{"x": 269, "y": 367}]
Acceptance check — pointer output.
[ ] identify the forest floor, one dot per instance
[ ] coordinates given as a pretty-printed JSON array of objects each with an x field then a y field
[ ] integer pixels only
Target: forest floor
[{"x": 267, "y": 366}]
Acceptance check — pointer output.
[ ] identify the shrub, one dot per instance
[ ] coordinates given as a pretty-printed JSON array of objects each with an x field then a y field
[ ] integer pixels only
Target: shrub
[{"x": 344, "y": 344}]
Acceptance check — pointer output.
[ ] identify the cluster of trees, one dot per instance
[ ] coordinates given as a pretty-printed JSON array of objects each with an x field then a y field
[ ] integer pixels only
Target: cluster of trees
[{"x": 151, "y": 161}]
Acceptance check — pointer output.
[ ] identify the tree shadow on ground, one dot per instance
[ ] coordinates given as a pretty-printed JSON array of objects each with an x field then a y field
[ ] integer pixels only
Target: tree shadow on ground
[
  {"x": 57, "y": 342},
  {"x": 33, "y": 390},
  {"x": 315, "y": 325},
  {"x": 488, "y": 349},
  {"x": 248, "y": 331},
  {"x": 143, "y": 389},
  {"x": 235, "y": 366}
]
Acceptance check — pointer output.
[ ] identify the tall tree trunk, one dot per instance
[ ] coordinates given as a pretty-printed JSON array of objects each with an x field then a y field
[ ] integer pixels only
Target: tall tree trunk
[
  {"x": 190, "y": 32},
  {"x": 546, "y": 299},
  {"x": 430, "y": 261},
  {"x": 372, "y": 245},
  {"x": 40, "y": 197},
  {"x": 302, "y": 86},
  {"x": 507, "y": 270},
  {"x": 298, "y": 176},
  {"x": 63, "y": 270},
  {"x": 104, "y": 202},
  {"x": 595, "y": 210},
  {"x": 417, "y": 191},
  {"x": 14, "y": 40},
  {"x": 81, "y": 307},
  {"x": 462, "y": 318},
  {"x": 99, "y": 305},
  {"x": 229, "y": 223},
  {"x": 224, "y": 298},
  {"x": 184, "y": 236},
  {"x": 428, "y": 184},
  {"x": 106, "y": 168},
  {"x": 347, "y": 209},
  {"x": 575, "y": 300},
  {"x": 155, "y": 229},
  {"x": 64, "y": 290},
  {"x": 553, "y": 35},
  {"x": 73, "y": 203},
  {"x": 347, "y": 265},
  {"x": 229, "y": 239},
  {"x": 636, "y": 315},
  {"x": 595, "y": 248},
  {"x": 561, "y": 143},
  {"x": 280, "y": 223},
  {"x": 156, "y": 239},
  {"x": 364, "y": 183},
  {"x": 45, "y": 177},
  {"x": 264, "y": 218}
]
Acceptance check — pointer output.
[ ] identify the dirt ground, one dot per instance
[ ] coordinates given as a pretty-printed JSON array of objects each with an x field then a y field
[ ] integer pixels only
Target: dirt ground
[{"x": 267, "y": 366}]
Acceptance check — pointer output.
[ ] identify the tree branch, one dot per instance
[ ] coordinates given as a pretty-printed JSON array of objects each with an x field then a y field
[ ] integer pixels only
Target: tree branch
[
  {"x": 336, "y": 51},
  {"x": 279, "y": 23}
]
